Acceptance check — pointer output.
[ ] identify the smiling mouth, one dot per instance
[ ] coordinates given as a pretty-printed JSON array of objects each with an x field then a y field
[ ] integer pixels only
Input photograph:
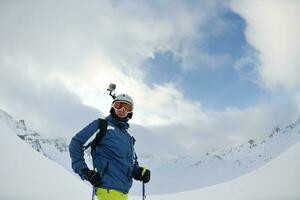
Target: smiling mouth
[{"x": 121, "y": 114}]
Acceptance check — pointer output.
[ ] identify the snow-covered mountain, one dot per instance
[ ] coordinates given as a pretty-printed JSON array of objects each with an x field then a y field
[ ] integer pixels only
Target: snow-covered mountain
[
  {"x": 220, "y": 165},
  {"x": 183, "y": 173},
  {"x": 53, "y": 148}
]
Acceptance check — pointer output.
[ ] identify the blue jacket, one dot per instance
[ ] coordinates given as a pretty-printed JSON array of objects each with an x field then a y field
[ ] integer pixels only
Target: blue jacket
[{"x": 114, "y": 154}]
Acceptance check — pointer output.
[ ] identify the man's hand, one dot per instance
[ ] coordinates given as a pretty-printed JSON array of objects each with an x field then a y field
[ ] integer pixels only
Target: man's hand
[
  {"x": 142, "y": 174},
  {"x": 92, "y": 176}
]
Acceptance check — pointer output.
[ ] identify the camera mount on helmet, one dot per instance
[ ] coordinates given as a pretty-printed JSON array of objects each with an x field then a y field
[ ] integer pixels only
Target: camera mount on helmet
[{"x": 112, "y": 88}]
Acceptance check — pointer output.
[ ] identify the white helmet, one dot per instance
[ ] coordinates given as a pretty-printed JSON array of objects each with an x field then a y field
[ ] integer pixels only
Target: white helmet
[{"x": 124, "y": 97}]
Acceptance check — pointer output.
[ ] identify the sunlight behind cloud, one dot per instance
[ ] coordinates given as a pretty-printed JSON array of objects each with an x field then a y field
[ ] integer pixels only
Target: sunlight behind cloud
[{"x": 157, "y": 105}]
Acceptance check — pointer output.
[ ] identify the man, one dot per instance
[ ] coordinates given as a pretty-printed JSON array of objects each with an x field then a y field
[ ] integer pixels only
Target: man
[{"x": 114, "y": 159}]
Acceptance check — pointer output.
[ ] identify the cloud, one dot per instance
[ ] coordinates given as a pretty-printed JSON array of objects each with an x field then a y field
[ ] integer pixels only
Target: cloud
[
  {"x": 126, "y": 32},
  {"x": 246, "y": 67},
  {"x": 57, "y": 61},
  {"x": 88, "y": 46},
  {"x": 154, "y": 105},
  {"x": 273, "y": 30},
  {"x": 217, "y": 130},
  {"x": 44, "y": 103},
  {"x": 177, "y": 124}
]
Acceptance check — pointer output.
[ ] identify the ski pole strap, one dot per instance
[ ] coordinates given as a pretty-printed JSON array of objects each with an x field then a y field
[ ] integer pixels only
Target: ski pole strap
[{"x": 135, "y": 158}]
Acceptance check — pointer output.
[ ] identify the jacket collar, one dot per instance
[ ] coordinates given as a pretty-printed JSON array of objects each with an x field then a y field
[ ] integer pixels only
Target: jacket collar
[{"x": 119, "y": 124}]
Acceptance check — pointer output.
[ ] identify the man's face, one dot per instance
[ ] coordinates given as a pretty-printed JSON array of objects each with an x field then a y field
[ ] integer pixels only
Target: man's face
[
  {"x": 122, "y": 108},
  {"x": 121, "y": 113}
]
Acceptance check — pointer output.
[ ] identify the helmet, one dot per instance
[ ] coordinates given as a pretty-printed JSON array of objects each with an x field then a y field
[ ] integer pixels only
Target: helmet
[{"x": 126, "y": 98}]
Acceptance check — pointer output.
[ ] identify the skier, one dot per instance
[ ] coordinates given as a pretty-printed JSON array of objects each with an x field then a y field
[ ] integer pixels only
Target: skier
[{"x": 114, "y": 159}]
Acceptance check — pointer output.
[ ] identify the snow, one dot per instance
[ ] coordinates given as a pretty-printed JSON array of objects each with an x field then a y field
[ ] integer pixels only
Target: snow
[
  {"x": 196, "y": 171},
  {"x": 26, "y": 174},
  {"x": 189, "y": 172},
  {"x": 278, "y": 179}
]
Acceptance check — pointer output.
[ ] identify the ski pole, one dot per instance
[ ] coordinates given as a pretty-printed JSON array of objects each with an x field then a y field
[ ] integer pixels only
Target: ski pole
[
  {"x": 93, "y": 193},
  {"x": 143, "y": 184},
  {"x": 94, "y": 188},
  {"x": 144, "y": 194}
]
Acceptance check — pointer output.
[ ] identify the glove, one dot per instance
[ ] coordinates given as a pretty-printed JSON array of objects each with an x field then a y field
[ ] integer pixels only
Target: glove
[
  {"x": 142, "y": 174},
  {"x": 91, "y": 176}
]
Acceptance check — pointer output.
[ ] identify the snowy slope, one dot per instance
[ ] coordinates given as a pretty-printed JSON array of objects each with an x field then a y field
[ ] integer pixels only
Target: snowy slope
[
  {"x": 189, "y": 172},
  {"x": 26, "y": 174},
  {"x": 279, "y": 179}
]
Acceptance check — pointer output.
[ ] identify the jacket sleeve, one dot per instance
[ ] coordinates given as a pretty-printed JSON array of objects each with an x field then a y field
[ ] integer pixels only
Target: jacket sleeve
[{"x": 76, "y": 147}]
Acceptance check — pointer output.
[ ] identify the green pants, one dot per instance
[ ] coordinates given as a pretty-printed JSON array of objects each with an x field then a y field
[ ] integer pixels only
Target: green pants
[{"x": 105, "y": 194}]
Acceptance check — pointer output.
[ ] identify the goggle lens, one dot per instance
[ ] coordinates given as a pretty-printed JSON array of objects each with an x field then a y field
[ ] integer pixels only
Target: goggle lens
[{"x": 121, "y": 104}]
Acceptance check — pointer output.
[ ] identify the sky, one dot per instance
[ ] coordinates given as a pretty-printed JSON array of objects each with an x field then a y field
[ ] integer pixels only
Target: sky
[{"x": 202, "y": 74}]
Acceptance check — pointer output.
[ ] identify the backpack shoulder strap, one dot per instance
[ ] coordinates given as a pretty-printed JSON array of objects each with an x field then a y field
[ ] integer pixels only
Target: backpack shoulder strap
[{"x": 102, "y": 130}]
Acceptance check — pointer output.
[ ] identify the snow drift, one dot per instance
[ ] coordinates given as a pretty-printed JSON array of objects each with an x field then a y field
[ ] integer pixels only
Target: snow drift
[
  {"x": 26, "y": 174},
  {"x": 278, "y": 179}
]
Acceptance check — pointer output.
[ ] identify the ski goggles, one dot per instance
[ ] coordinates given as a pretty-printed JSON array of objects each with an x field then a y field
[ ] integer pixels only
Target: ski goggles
[{"x": 118, "y": 105}]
